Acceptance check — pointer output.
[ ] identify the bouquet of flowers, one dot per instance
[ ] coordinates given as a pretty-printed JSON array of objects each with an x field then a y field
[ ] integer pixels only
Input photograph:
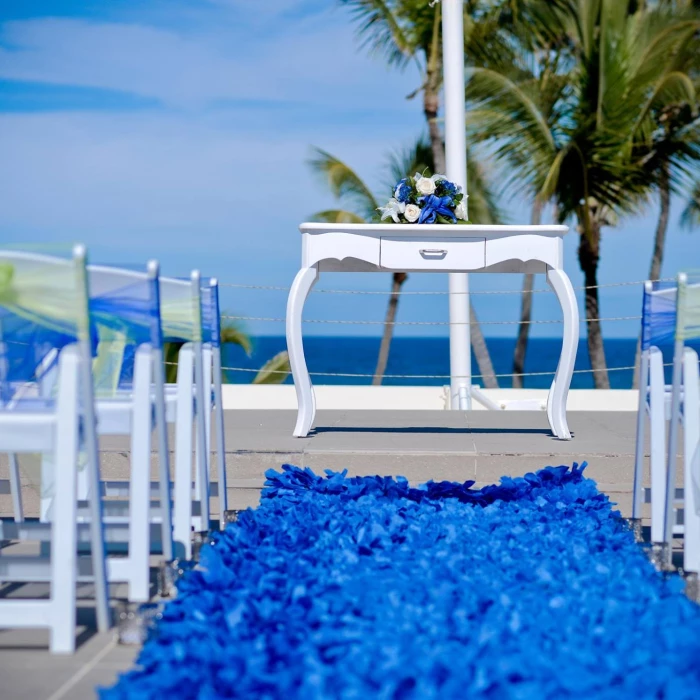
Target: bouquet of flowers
[{"x": 426, "y": 200}]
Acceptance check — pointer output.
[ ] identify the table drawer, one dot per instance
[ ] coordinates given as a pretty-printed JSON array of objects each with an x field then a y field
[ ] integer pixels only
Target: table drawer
[{"x": 408, "y": 253}]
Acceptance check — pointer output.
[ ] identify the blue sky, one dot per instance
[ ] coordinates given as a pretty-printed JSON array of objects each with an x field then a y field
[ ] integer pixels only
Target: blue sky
[{"x": 180, "y": 130}]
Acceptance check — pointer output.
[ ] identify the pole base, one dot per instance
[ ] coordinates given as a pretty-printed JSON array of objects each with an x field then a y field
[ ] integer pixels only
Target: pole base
[
  {"x": 635, "y": 525},
  {"x": 167, "y": 576},
  {"x": 692, "y": 586},
  {"x": 660, "y": 556},
  {"x": 135, "y": 624},
  {"x": 199, "y": 539},
  {"x": 231, "y": 516}
]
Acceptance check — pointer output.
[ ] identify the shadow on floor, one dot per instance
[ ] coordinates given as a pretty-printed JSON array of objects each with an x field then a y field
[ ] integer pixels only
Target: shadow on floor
[{"x": 436, "y": 430}]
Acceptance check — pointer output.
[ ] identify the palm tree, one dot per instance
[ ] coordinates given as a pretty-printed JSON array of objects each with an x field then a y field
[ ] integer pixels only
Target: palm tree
[
  {"x": 274, "y": 371},
  {"x": 409, "y": 32},
  {"x": 619, "y": 65},
  {"x": 691, "y": 213},
  {"x": 532, "y": 66},
  {"x": 361, "y": 206}
]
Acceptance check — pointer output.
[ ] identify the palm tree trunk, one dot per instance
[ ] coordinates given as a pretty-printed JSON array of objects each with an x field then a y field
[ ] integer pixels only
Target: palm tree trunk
[
  {"x": 397, "y": 281},
  {"x": 431, "y": 93},
  {"x": 431, "y": 102},
  {"x": 525, "y": 311},
  {"x": 481, "y": 352},
  {"x": 658, "y": 254},
  {"x": 589, "y": 258}
]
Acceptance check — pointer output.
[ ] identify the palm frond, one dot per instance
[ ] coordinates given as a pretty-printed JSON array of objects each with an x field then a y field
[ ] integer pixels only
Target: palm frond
[
  {"x": 338, "y": 216},
  {"x": 416, "y": 158},
  {"x": 690, "y": 218},
  {"x": 233, "y": 334},
  {"x": 483, "y": 202},
  {"x": 344, "y": 183},
  {"x": 380, "y": 29},
  {"x": 275, "y": 370}
]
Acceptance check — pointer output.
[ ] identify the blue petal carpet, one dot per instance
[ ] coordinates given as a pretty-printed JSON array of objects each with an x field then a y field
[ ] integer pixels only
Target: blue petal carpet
[{"x": 364, "y": 587}]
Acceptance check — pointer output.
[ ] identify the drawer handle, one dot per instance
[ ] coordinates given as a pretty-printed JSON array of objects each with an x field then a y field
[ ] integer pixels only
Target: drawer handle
[{"x": 433, "y": 252}]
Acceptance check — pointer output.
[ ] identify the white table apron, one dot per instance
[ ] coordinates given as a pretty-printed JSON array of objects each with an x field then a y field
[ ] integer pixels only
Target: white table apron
[{"x": 432, "y": 248}]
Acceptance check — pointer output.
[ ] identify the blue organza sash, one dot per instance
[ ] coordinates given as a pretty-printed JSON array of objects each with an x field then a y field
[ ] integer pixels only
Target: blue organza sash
[
  {"x": 211, "y": 319},
  {"x": 659, "y": 314}
]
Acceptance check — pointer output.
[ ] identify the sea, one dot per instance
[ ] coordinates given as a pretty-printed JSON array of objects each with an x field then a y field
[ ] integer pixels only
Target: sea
[{"x": 430, "y": 356}]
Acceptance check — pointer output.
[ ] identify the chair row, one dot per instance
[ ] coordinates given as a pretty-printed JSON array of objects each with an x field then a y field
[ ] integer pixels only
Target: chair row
[
  {"x": 82, "y": 356},
  {"x": 671, "y": 314}
]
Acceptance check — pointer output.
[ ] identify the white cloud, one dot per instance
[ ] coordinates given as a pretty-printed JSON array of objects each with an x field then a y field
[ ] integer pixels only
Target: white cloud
[
  {"x": 315, "y": 59},
  {"x": 149, "y": 178}
]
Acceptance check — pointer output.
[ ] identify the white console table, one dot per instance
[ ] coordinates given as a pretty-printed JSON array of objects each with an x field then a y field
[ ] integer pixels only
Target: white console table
[{"x": 432, "y": 248}]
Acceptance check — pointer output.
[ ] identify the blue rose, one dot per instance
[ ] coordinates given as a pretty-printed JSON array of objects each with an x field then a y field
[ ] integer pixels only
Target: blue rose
[
  {"x": 402, "y": 191},
  {"x": 433, "y": 206},
  {"x": 445, "y": 187}
]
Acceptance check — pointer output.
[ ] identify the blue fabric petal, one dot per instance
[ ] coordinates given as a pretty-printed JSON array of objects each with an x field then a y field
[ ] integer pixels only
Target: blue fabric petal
[{"x": 358, "y": 587}]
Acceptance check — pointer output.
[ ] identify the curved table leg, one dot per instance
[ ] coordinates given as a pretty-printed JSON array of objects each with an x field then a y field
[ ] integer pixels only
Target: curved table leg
[
  {"x": 302, "y": 285},
  {"x": 550, "y": 417},
  {"x": 560, "y": 283}
]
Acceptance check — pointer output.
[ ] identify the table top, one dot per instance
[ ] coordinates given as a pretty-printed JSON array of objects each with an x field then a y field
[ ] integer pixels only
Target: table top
[{"x": 437, "y": 230}]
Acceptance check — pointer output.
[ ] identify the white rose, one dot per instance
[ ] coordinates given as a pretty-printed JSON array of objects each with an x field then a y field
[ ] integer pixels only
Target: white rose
[
  {"x": 392, "y": 209},
  {"x": 425, "y": 186},
  {"x": 412, "y": 213},
  {"x": 461, "y": 211}
]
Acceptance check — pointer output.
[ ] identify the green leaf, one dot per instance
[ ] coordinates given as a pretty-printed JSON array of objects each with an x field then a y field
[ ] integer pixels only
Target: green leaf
[
  {"x": 344, "y": 183},
  {"x": 275, "y": 370},
  {"x": 235, "y": 335}
]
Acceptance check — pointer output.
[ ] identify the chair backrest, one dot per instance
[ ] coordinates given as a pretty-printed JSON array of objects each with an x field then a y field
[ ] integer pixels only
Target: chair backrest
[
  {"x": 211, "y": 317},
  {"x": 43, "y": 307},
  {"x": 687, "y": 328},
  {"x": 658, "y": 313},
  {"x": 688, "y": 315},
  {"x": 125, "y": 312},
  {"x": 181, "y": 309}
]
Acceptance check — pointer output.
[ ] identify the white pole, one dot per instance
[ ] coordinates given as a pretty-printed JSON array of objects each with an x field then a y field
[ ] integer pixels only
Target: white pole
[{"x": 456, "y": 166}]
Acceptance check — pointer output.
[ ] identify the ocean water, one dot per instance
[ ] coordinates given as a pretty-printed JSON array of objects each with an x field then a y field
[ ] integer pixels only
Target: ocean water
[{"x": 430, "y": 356}]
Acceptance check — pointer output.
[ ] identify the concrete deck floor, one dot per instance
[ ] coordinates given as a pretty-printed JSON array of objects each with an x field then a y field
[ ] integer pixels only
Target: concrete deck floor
[{"x": 420, "y": 445}]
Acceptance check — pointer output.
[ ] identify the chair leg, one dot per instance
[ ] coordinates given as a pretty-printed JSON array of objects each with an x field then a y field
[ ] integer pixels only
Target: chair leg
[
  {"x": 48, "y": 477},
  {"x": 16, "y": 489},
  {"x": 672, "y": 446},
  {"x": 139, "y": 496},
  {"x": 206, "y": 410},
  {"x": 691, "y": 458},
  {"x": 163, "y": 456},
  {"x": 64, "y": 534},
  {"x": 202, "y": 461},
  {"x": 638, "y": 484},
  {"x": 220, "y": 439},
  {"x": 182, "y": 526},
  {"x": 657, "y": 439}
]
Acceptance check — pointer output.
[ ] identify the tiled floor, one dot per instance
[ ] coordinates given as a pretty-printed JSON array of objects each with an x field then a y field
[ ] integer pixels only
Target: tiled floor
[{"x": 420, "y": 445}]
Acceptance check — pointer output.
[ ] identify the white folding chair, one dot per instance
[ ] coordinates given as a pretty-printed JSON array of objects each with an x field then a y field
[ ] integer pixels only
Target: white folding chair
[
  {"x": 125, "y": 309},
  {"x": 181, "y": 316},
  {"x": 685, "y": 411},
  {"x": 658, "y": 327},
  {"x": 124, "y": 312},
  {"x": 46, "y": 405},
  {"x": 213, "y": 392}
]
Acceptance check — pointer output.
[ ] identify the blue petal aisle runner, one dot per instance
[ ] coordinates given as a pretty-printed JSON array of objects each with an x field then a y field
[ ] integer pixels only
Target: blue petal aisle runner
[{"x": 343, "y": 587}]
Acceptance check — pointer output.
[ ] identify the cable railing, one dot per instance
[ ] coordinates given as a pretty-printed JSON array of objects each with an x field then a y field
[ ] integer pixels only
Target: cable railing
[
  {"x": 446, "y": 323},
  {"x": 275, "y": 288},
  {"x": 428, "y": 376},
  {"x": 424, "y": 323}
]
